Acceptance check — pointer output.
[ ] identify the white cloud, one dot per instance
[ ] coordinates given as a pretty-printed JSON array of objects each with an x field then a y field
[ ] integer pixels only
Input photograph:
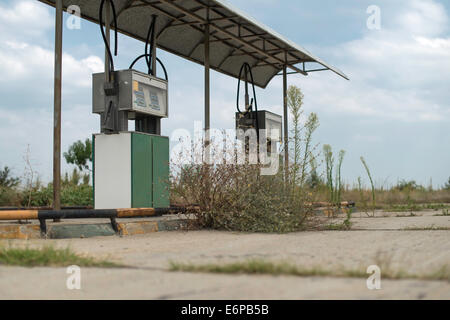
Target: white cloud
[
  {"x": 423, "y": 17},
  {"x": 26, "y": 19},
  {"x": 393, "y": 74},
  {"x": 20, "y": 61},
  {"x": 26, "y": 87}
]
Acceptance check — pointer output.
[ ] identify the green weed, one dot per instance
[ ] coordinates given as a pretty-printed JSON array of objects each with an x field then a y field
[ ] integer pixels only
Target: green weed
[
  {"x": 48, "y": 256},
  {"x": 261, "y": 267}
]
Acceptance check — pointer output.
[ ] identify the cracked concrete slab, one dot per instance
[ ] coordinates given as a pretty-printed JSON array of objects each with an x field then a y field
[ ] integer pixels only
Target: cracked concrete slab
[{"x": 416, "y": 252}]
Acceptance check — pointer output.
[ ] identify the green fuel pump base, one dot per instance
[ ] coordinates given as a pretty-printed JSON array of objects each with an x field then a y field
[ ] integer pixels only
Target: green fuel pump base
[{"x": 131, "y": 170}]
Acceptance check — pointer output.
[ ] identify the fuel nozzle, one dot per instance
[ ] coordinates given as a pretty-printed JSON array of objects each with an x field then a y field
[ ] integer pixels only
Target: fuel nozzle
[
  {"x": 250, "y": 106},
  {"x": 110, "y": 116}
]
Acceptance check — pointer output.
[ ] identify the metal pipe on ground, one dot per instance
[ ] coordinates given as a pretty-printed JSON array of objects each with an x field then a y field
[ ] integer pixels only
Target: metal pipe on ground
[{"x": 112, "y": 214}]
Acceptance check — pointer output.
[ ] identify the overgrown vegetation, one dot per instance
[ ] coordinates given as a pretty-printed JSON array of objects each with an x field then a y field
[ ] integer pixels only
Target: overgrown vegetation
[
  {"x": 334, "y": 187},
  {"x": 362, "y": 199},
  {"x": 393, "y": 199},
  {"x": 30, "y": 191},
  {"x": 372, "y": 185},
  {"x": 73, "y": 193},
  {"x": 48, "y": 257},
  {"x": 237, "y": 197},
  {"x": 447, "y": 185},
  {"x": 445, "y": 213},
  {"x": 428, "y": 228},
  {"x": 302, "y": 147}
]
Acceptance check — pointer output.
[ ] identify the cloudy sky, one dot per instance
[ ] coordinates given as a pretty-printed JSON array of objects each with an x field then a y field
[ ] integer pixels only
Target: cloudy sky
[{"x": 395, "y": 111}]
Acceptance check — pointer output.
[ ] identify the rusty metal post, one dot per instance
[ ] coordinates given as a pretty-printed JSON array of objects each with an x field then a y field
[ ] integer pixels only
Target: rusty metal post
[
  {"x": 207, "y": 151},
  {"x": 57, "y": 107},
  {"x": 286, "y": 123},
  {"x": 156, "y": 121},
  {"x": 207, "y": 94}
]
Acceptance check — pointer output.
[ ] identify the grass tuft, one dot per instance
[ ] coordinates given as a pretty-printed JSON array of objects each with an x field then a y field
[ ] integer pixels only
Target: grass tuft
[
  {"x": 261, "y": 267},
  {"x": 49, "y": 257},
  {"x": 428, "y": 228},
  {"x": 249, "y": 267},
  {"x": 443, "y": 214}
]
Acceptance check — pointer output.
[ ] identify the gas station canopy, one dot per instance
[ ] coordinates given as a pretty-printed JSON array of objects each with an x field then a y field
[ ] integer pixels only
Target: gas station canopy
[{"x": 234, "y": 36}]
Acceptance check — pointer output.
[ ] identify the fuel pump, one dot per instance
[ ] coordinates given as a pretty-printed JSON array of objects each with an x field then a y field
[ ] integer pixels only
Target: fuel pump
[
  {"x": 264, "y": 122},
  {"x": 131, "y": 168}
]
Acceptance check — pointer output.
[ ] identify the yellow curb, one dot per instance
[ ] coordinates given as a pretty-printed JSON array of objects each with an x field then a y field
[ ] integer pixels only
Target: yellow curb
[
  {"x": 137, "y": 212},
  {"x": 23, "y": 232},
  {"x": 136, "y": 228}
]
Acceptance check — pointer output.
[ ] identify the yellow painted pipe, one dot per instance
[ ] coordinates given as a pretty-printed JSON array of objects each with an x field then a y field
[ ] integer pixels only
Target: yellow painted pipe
[
  {"x": 34, "y": 214},
  {"x": 137, "y": 212},
  {"x": 19, "y": 214}
]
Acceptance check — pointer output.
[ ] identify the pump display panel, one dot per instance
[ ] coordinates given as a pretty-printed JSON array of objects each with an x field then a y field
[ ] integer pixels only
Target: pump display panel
[{"x": 138, "y": 93}]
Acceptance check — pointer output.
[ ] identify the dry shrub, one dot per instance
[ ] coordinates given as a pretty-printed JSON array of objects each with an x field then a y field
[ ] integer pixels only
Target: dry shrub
[{"x": 236, "y": 197}]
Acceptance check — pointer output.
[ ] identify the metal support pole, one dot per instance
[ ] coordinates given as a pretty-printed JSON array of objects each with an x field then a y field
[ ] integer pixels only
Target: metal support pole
[
  {"x": 57, "y": 107},
  {"x": 156, "y": 122},
  {"x": 247, "y": 97},
  {"x": 153, "y": 40},
  {"x": 286, "y": 129},
  {"x": 107, "y": 62},
  {"x": 207, "y": 93}
]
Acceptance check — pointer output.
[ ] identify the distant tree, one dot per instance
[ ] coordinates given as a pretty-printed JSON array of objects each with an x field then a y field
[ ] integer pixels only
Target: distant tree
[
  {"x": 80, "y": 154},
  {"x": 6, "y": 180},
  {"x": 73, "y": 179},
  {"x": 447, "y": 185},
  {"x": 314, "y": 179},
  {"x": 408, "y": 186}
]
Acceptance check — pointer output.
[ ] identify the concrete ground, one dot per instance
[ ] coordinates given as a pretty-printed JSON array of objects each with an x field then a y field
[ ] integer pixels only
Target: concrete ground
[{"x": 384, "y": 240}]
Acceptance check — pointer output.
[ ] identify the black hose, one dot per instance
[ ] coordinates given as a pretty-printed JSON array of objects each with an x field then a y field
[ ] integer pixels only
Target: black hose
[
  {"x": 149, "y": 56},
  {"x": 108, "y": 48},
  {"x": 108, "y": 113},
  {"x": 239, "y": 89},
  {"x": 246, "y": 67}
]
